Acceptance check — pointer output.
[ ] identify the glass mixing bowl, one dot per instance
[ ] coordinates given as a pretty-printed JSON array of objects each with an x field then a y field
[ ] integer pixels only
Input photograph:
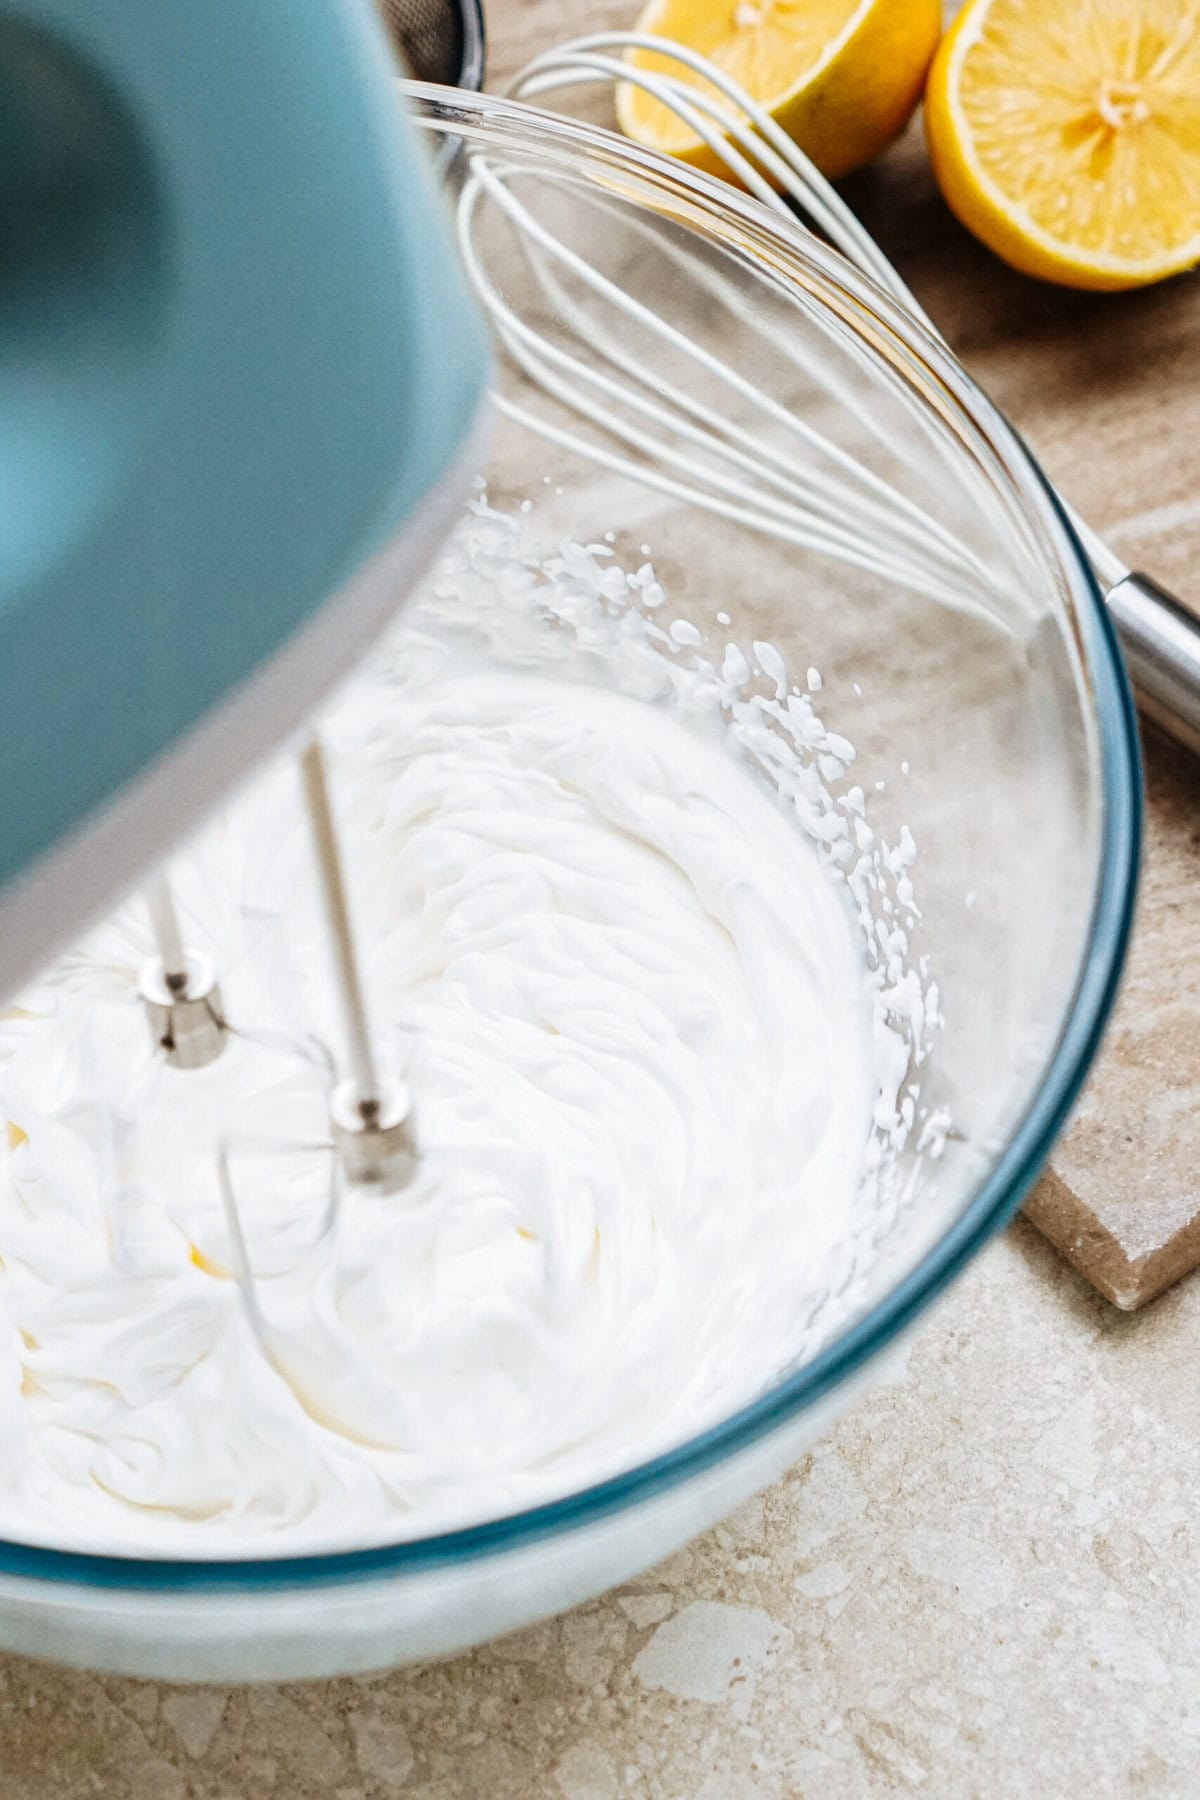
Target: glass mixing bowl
[{"x": 877, "y": 521}]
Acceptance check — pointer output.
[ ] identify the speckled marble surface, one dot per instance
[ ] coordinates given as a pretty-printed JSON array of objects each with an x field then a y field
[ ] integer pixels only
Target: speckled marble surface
[{"x": 985, "y": 1584}]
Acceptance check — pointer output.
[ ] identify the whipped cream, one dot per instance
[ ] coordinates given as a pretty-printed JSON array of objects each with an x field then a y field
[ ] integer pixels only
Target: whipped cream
[{"x": 616, "y": 930}]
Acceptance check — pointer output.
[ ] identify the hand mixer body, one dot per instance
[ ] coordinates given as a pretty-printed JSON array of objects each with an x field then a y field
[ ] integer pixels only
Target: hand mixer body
[{"x": 239, "y": 375}]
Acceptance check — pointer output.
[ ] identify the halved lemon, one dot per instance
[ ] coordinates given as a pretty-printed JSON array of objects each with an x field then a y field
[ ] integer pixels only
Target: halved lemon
[
  {"x": 842, "y": 77},
  {"x": 1066, "y": 135}
]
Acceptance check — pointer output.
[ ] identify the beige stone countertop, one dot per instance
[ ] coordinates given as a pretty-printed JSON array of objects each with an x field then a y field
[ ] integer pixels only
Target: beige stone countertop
[{"x": 986, "y": 1583}]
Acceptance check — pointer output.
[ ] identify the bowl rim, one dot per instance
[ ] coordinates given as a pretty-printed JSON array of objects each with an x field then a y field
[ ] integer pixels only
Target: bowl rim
[{"x": 996, "y": 1194}]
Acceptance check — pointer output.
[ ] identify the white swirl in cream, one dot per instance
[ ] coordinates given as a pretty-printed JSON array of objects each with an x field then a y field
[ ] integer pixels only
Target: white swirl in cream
[{"x": 632, "y": 1007}]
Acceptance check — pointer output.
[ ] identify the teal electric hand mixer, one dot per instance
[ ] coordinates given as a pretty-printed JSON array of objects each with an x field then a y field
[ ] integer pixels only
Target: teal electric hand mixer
[{"x": 239, "y": 378}]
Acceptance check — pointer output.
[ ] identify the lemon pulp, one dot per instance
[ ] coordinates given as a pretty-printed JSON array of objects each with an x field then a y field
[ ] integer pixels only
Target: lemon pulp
[{"x": 1066, "y": 134}]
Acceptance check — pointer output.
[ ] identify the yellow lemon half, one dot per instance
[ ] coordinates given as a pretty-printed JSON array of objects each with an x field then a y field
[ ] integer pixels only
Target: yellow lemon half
[
  {"x": 840, "y": 76},
  {"x": 1066, "y": 135}
]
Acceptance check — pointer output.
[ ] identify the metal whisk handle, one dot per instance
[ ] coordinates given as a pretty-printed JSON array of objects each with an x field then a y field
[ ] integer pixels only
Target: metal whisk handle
[{"x": 1161, "y": 639}]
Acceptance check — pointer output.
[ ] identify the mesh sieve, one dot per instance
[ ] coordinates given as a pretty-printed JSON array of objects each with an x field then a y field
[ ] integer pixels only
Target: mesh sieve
[{"x": 438, "y": 40}]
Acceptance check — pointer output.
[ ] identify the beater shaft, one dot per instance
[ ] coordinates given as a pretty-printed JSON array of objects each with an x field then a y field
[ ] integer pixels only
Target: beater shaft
[
  {"x": 333, "y": 887},
  {"x": 370, "y": 1117},
  {"x": 160, "y": 903}
]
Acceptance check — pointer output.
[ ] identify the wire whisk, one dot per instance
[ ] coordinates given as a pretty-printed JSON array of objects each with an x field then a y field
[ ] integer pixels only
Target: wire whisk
[{"x": 624, "y": 388}]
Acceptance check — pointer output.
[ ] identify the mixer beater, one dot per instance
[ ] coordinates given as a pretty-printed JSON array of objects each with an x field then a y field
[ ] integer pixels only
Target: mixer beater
[{"x": 370, "y": 1114}]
